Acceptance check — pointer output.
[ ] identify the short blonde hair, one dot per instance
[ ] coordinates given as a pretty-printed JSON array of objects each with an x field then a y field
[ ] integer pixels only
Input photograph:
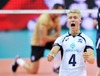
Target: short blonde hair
[{"x": 75, "y": 11}]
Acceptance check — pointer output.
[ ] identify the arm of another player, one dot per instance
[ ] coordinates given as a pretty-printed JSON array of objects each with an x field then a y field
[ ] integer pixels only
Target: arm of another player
[
  {"x": 44, "y": 36},
  {"x": 89, "y": 56},
  {"x": 53, "y": 53},
  {"x": 58, "y": 29}
]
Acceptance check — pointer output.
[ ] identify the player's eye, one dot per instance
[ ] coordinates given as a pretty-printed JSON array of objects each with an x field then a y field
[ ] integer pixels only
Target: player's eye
[
  {"x": 75, "y": 17},
  {"x": 70, "y": 17}
]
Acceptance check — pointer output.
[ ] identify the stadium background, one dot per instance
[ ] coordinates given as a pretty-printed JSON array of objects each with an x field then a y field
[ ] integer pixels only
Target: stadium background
[
  {"x": 16, "y": 29},
  {"x": 27, "y": 21}
]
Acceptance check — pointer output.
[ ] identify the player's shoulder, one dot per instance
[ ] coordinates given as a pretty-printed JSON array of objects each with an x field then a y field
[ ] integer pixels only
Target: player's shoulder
[
  {"x": 61, "y": 38},
  {"x": 44, "y": 16},
  {"x": 86, "y": 37},
  {"x": 64, "y": 35}
]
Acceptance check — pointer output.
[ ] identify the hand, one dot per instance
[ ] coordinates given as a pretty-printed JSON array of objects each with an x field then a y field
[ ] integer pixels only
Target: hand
[
  {"x": 50, "y": 57},
  {"x": 86, "y": 55}
]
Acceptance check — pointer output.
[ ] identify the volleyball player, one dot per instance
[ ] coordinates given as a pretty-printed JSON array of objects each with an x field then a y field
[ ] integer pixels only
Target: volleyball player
[
  {"x": 98, "y": 43},
  {"x": 76, "y": 48},
  {"x": 46, "y": 32}
]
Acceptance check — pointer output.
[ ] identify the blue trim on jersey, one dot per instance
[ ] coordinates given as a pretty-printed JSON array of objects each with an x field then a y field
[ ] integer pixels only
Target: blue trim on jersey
[
  {"x": 56, "y": 44},
  {"x": 74, "y": 36},
  {"x": 88, "y": 47},
  {"x": 69, "y": 35},
  {"x": 82, "y": 37},
  {"x": 66, "y": 36},
  {"x": 61, "y": 49},
  {"x": 98, "y": 19}
]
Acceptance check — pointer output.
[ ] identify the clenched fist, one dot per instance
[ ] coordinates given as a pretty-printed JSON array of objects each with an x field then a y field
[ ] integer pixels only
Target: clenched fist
[
  {"x": 86, "y": 55},
  {"x": 50, "y": 57}
]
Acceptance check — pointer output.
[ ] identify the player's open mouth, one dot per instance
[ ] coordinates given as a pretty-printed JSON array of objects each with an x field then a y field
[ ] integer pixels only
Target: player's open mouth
[{"x": 72, "y": 25}]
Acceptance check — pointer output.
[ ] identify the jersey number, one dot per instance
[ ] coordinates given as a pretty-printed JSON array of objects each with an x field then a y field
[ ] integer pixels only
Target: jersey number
[{"x": 72, "y": 60}]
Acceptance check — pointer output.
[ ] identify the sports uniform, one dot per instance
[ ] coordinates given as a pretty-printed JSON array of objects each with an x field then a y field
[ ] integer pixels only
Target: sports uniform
[
  {"x": 39, "y": 45},
  {"x": 38, "y": 51},
  {"x": 46, "y": 31},
  {"x": 72, "y": 48},
  {"x": 98, "y": 39}
]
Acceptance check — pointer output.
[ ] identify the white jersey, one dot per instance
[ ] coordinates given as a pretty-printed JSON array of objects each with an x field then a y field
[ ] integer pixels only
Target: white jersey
[{"x": 72, "y": 48}]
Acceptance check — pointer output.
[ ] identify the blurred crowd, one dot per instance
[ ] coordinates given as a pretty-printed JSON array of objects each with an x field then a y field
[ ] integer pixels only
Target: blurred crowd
[{"x": 30, "y": 22}]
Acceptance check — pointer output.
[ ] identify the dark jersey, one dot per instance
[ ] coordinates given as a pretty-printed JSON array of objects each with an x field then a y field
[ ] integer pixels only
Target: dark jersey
[{"x": 98, "y": 19}]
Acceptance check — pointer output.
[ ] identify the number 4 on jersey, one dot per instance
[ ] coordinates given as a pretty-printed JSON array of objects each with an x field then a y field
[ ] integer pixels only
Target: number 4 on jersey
[{"x": 72, "y": 60}]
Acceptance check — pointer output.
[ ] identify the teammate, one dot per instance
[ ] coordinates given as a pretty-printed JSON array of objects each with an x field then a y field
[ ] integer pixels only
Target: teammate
[
  {"x": 46, "y": 31},
  {"x": 76, "y": 48},
  {"x": 98, "y": 43}
]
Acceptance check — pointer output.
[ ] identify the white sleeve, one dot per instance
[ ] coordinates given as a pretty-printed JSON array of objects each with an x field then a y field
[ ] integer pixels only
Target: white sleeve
[
  {"x": 58, "y": 41},
  {"x": 89, "y": 43}
]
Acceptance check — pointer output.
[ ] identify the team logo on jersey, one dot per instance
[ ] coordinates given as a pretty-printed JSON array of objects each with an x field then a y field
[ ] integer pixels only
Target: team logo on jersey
[
  {"x": 80, "y": 40},
  {"x": 72, "y": 45},
  {"x": 66, "y": 39}
]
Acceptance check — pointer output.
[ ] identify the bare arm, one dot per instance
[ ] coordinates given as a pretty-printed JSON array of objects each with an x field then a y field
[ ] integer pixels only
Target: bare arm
[
  {"x": 58, "y": 28},
  {"x": 53, "y": 53},
  {"x": 57, "y": 33},
  {"x": 89, "y": 56},
  {"x": 44, "y": 34}
]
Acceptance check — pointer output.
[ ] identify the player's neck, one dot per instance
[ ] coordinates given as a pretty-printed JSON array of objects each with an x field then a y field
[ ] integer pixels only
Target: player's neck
[{"x": 74, "y": 33}]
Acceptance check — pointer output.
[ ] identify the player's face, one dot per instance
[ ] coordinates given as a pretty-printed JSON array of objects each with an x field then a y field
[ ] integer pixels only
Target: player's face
[{"x": 74, "y": 21}]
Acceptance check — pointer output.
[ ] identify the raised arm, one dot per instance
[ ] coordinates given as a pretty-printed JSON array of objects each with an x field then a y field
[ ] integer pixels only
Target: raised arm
[{"x": 53, "y": 53}]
